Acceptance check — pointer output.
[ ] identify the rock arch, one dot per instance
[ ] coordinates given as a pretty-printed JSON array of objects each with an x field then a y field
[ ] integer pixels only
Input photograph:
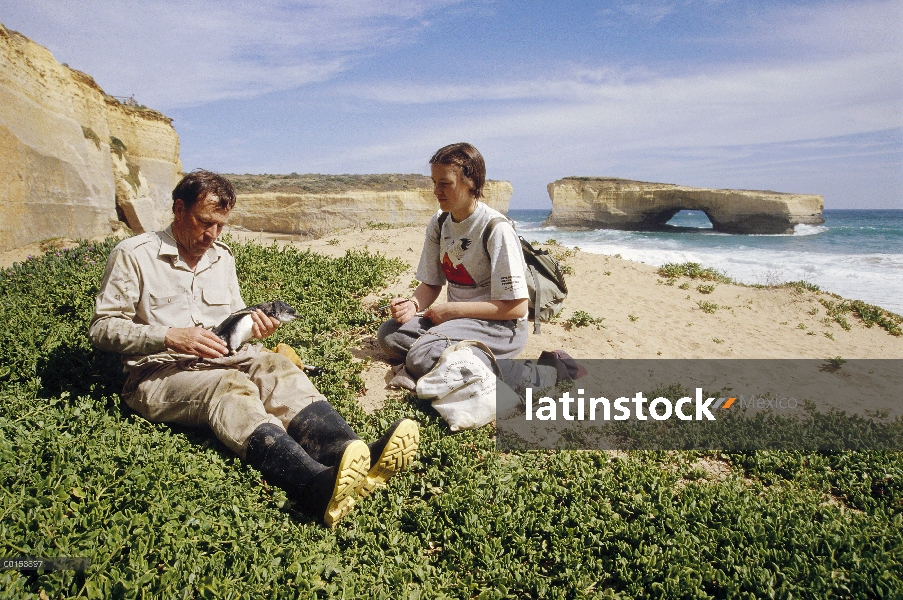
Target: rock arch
[{"x": 610, "y": 203}]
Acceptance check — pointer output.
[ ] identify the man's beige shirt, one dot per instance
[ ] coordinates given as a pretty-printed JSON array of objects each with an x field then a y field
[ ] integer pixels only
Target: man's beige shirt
[{"x": 148, "y": 288}]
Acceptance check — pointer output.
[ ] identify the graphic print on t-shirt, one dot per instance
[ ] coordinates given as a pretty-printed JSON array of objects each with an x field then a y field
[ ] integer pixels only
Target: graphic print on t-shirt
[{"x": 457, "y": 273}]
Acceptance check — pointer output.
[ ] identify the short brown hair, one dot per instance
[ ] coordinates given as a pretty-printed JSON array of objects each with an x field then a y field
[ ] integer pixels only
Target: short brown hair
[
  {"x": 469, "y": 159},
  {"x": 199, "y": 184}
]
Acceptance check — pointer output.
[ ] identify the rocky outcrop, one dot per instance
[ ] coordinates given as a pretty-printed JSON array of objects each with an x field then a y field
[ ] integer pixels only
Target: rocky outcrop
[
  {"x": 327, "y": 203},
  {"x": 74, "y": 161},
  {"x": 608, "y": 203}
]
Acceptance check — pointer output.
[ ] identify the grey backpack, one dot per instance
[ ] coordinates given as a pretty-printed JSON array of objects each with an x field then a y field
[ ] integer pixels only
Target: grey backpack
[{"x": 545, "y": 281}]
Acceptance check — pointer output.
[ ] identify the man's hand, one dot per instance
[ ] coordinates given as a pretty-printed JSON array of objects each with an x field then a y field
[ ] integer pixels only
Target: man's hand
[
  {"x": 264, "y": 325},
  {"x": 195, "y": 341}
]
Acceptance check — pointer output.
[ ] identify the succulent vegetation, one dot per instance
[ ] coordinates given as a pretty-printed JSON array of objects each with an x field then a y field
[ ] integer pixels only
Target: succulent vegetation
[
  {"x": 169, "y": 512},
  {"x": 581, "y": 318},
  {"x": 693, "y": 271},
  {"x": 836, "y": 308},
  {"x": 707, "y": 307},
  {"x": 801, "y": 286},
  {"x": 383, "y": 226}
]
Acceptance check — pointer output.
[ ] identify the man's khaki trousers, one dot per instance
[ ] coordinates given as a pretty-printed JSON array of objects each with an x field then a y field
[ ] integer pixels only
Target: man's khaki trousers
[{"x": 232, "y": 396}]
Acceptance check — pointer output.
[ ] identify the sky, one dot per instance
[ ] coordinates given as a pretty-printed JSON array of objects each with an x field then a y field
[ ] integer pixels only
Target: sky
[{"x": 802, "y": 96}]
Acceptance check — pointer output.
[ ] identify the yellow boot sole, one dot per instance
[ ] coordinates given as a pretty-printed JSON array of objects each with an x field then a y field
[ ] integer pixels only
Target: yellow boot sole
[
  {"x": 351, "y": 473},
  {"x": 398, "y": 453}
]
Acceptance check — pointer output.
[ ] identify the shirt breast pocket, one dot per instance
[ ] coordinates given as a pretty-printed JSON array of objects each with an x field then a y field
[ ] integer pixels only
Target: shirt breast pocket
[
  {"x": 217, "y": 302},
  {"x": 169, "y": 309}
]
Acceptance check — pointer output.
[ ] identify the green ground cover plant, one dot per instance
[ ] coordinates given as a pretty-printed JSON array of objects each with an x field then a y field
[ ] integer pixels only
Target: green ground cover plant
[
  {"x": 801, "y": 286},
  {"x": 167, "y": 512},
  {"x": 581, "y": 318},
  {"x": 693, "y": 271},
  {"x": 380, "y": 226},
  {"x": 869, "y": 314},
  {"x": 707, "y": 307}
]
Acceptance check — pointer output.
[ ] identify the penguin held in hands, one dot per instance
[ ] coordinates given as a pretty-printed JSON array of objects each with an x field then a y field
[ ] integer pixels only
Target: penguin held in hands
[{"x": 236, "y": 329}]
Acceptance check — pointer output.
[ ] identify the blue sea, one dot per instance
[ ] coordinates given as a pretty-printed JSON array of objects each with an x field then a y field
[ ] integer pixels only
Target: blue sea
[{"x": 855, "y": 253}]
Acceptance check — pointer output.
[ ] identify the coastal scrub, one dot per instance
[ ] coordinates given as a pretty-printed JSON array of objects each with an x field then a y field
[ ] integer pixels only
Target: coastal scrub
[{"x": 169, "y": 512}]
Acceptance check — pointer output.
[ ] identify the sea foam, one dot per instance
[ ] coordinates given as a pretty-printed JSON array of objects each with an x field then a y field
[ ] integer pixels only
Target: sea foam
[{"x": 857, "y": 254}]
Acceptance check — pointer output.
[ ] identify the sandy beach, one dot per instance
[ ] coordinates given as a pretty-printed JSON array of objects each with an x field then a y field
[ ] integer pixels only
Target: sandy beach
[{"x": 643, "y": 316}]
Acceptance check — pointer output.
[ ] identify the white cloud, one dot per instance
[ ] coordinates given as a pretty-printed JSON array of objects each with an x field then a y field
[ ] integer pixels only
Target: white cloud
[
  {"x": 172, "y": 53},
  {"x": 741, "y": 104},
  {"x": 652, "y": 12},
  {"x": 766, "y": 99},
  {"x": 820, "y": 30}
]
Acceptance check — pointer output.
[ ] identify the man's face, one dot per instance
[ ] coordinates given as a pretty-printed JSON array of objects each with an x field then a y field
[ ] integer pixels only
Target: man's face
[{"x": 195, "y": 230}]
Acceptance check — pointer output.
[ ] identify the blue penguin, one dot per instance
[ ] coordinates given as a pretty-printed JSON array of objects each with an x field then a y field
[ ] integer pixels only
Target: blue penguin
[{"x": 235, "y": 330}]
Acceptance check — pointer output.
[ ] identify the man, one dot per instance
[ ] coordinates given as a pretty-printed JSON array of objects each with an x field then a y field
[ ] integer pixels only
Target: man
[{"x": 160, "y": 293}]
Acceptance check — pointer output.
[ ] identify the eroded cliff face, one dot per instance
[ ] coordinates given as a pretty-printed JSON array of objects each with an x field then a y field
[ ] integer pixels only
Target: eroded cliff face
[
  {"x": 315, "y": 214},
  {"x": 70, "y": 154},
  {"x": 609, "y": 203}
]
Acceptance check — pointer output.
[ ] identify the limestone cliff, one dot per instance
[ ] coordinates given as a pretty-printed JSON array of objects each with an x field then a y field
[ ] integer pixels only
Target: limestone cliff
[
  {"x": 609, "y": 203},
  {"x": 70, "y": 154},
  {"x": 313, "y": 205}
]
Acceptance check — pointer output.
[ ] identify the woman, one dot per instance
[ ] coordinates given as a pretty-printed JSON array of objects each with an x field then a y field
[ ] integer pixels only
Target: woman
[{"x": 487, "y": 292}]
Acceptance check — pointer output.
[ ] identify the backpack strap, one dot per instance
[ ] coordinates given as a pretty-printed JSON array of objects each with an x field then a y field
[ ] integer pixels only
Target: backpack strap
[
  {"x": 488, "y": 230},
  {"x": 536, "y": 286},
  {"x": 443, "y": 217}
]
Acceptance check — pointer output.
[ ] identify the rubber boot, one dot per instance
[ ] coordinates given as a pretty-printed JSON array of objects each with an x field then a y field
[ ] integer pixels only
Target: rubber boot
[
  {"x": 322, "y": 432},
  {"x": 318, "y": 490},
  {"x": 325, "y": 435},
  {"x": 392, "y": 452}
]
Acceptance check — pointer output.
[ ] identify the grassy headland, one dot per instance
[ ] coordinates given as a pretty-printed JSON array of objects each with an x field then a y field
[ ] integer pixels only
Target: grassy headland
[
  {"x": 294, "y": 183},
  {"x": 167, "y": 512}
]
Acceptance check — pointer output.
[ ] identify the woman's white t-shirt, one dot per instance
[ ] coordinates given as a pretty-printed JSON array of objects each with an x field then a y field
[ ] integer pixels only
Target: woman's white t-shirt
[{"x": 457, "y": 257}]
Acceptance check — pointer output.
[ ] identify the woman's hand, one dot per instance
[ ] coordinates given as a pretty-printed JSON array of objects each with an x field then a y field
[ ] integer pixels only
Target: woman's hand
[
  {"x": 403, "y": 309},
  {"x": 440, "y": 313}
]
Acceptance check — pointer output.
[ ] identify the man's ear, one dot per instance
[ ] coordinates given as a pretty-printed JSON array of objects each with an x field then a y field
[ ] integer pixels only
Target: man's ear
[{"x": 178, "y": 208}]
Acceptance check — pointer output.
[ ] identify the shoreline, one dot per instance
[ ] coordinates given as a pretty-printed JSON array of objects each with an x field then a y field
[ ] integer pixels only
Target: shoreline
[
  {"x": 642, "y": 316},
  {"x": 856, "y": 254},
  {"x": 638, "y": 314}
]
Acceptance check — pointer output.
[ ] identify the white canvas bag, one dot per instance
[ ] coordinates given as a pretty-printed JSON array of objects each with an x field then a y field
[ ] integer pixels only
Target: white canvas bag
[{"x": 463, "y": 387}]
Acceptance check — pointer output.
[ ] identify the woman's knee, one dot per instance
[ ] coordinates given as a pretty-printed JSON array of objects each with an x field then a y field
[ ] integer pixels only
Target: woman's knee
[
  {"x": 424, "y": 354},
  {"x": 390, "y": 341}
]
